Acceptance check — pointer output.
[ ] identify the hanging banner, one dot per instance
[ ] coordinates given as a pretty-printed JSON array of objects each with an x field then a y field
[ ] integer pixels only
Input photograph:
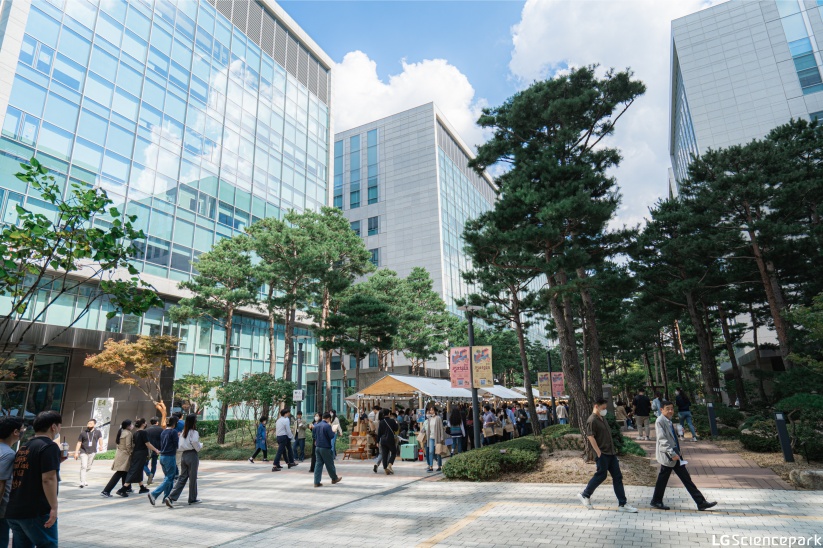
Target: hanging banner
[
  {"x": 558, "y": 384},
  {"x": 482, "y": 366},
  {"x": 459, "y": 371},
  {"x": 544, "y": 385},
  {"x": 101, "y": 412}
]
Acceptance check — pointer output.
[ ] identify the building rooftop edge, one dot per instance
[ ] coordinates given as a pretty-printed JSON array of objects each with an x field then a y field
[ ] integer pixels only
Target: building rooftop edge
[{"x": 280, "y": 13}]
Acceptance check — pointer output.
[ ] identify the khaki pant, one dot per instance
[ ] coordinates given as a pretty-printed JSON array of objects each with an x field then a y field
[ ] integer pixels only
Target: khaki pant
[
  {"x": 642, "y": 426},
  {"x": 86, "y": 460}
]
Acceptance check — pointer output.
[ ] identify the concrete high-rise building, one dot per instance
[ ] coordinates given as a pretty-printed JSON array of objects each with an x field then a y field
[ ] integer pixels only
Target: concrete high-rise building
[
  {"x": 199, "y": 117},
  {"x": 739, "y": 69}
]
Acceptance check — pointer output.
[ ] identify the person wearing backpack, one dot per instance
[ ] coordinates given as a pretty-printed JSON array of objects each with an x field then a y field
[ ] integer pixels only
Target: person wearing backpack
[{"x": 388, "y": 445}]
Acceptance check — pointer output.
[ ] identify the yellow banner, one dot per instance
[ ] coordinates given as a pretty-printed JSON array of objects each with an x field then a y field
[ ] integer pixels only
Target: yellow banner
[
  {"x": 544, "y": 384},
  {"x": 482, "y": 367}
]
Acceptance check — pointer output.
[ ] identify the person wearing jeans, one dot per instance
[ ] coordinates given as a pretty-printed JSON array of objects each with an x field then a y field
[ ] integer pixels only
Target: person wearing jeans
[
  {"x": 169, "y": 441},
  {"x": 684, "y": 411},
  {"x": 323, "y": 435},
  {"x": 600, "y": 437},
  {"x": 153, "y": 432},
  {"x": 435, "y": 434},
  {"x": 284, "y": 441}
]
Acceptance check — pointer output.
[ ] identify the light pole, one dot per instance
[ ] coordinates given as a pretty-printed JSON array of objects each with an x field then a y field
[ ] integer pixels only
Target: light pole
[
  {"x": 300, "y": 339},
  {"x": 468, "y": 309}
]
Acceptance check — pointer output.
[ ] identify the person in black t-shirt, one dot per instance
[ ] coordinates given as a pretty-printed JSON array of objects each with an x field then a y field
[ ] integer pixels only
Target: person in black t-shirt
[
  {"x": 139, "y": 457},
  {"x": 153, "y": 432},
  {"x": 32, "y": 510}
]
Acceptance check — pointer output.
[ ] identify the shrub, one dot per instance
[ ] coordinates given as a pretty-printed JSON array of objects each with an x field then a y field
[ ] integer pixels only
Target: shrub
[
  {"x": 344, "y": 423},
  {"x": 557, "y": 431},
  {"x": 617, "y": 435},
  {"x": 729, "y": 415},
  {"x": 209, "y": 428},
  {"x": 487, "y": 463},
  {"x": 761, "y": 437},
  {"x": 808, "y": 433},
  {"x": 567, "y": 442},
  {"x": 726, "y": 432},
  {"x": 799, "y": 405},
  {"x": 630, "y": 447}
]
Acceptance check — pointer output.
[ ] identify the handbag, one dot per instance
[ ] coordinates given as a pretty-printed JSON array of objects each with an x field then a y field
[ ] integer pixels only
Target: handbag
[
  {"x": 498, "y": 430},
  {"x": 442, "y": 450},
  {"x": 488, "y": 431},
  {"x": 509, "y": 427}
]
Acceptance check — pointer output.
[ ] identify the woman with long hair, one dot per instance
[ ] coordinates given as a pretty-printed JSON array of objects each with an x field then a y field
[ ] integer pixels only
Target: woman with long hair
[
  {"x": 139, "y": 456},
  {"x": 457, "y": 430},
  {"x": 122, "y": 460},
  {"x": 189, "y": 462}
]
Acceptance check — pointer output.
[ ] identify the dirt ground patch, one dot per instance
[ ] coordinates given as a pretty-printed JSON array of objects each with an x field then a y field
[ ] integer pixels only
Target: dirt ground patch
[
  {"x": 569, "y": 467},
  {"x": 769, "y": 460}
]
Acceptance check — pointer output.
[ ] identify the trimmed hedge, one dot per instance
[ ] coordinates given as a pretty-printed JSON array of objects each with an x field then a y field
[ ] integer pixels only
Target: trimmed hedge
[
  {"x": 488, "y": 463},
  {"x": 761, "y": 437}
]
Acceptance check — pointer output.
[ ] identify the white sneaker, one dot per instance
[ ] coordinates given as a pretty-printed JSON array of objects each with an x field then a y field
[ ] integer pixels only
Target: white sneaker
[
  {"x": 627, "y": 508},
  {"x": 585, "y": 501}
]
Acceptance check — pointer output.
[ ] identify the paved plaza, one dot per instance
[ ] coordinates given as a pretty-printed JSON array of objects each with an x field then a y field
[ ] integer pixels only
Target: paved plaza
[{"x": 247, "y": 505}]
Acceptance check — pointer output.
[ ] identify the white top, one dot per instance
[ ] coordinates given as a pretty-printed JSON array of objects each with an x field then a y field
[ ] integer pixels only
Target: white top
[
  {"x": 283, "y": 428},
  {"x": 191, "y": 442}
]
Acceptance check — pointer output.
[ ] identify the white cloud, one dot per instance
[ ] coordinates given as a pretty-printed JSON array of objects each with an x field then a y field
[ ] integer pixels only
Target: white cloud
[
  {"x": 553, "y": 34},
  {"x": 360, "y": 96}
]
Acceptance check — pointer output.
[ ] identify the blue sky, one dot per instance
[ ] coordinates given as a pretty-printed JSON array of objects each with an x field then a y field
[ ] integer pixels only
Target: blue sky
[{"x": 473, "y": 36}]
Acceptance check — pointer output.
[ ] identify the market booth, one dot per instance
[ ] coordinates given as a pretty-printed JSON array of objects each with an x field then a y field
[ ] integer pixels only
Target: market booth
[
  {"x": 498, "y": 392},
  {"x": 399, "y": 391}
]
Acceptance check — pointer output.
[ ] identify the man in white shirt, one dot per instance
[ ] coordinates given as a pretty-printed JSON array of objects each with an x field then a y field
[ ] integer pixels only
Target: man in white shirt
[
  {"x": 543, "y": 415},
  {"x": 284, "y": 440}
]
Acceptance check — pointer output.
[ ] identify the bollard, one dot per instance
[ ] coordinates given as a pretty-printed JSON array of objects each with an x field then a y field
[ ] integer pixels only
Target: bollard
[
  {"x": 712, "y": 419},
  {"x": 783, "y": 436}
]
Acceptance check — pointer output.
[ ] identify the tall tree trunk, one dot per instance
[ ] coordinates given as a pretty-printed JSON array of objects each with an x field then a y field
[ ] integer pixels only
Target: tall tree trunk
[
  {"x": 224, "y": 406},
  {"x": 678, "y": 349},
  {"x": 327, "y": 388},
  {"x": 648, "y": 364},
  {"x": 656, "y": 364},
  {"x": 738, "y": 376},
  {"x": 592, "y": 336},
  {"x": 761, "y": 387},
  {"x": 356, "y": 375},
  {"x": 774, "y": 295},
  {"x": 288, "y": 353},
  {"x": 707, "y": 361},
  {"x": 524, "y": 363},
  {"x": 345, "y": 379},
  {"x": 392, "y": 361},
  {"x": 581, "y": 405},
  {"x": 663, "y": 364}
]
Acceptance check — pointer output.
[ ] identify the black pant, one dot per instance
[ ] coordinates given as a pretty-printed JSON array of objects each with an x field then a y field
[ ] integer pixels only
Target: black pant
[
  {"x": 138, "y": 461},
  {"x": 313, "y": 457},
  {"x": 607, "y": 465},
  {"x": 257, "y": 452},
  {"x": 685, "y": 478},
  {"x": 389, "y": 453},
  {"x": 117, "y": 476},
  {"x": 284, "y": 448}
]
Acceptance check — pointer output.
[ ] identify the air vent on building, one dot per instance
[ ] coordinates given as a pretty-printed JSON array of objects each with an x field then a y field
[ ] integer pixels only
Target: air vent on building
[
  {"x": 255, "y": 21},
  {"x": 303, "y": 66},
  {"x": 281, "y": 38},
  {"x": 224, "y": 7},
  {"x": 267, "y": 39},
  {"x": 323, "y": 85},
  {"x": 313, "y": 67},
  {"x": 239, "y": 14},
  {"x": 291, "y": 55}
]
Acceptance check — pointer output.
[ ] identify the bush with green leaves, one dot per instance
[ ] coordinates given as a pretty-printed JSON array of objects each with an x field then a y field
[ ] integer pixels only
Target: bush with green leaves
[
  {"x": 488, "y": 463},
  {"x": 761, "y": 437},
  {"x": 808, "y": 435},
  {"x": 797, "y": 406},
  {"x": 344, "y": 423},
  {"x": 617, "y": 435},
  {"x": 631, "y": 447},
  {"x": 209, "y": 428}
]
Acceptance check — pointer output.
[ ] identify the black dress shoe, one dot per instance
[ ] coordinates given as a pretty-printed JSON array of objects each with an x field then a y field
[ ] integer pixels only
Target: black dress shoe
[
  {"x": 706, "y": 506},
  {"x": 659, "y": 506}
]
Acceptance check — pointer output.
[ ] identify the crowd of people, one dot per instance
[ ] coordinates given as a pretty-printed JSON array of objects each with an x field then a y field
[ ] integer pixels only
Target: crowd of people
[{"x": 635, "y": 414}]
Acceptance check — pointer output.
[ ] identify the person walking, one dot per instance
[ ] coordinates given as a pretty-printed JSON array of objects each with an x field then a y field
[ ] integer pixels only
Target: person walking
[
  {"x": 314, "y": 442},
  {"x": 669, "y": 456},
  {"x": 457, "y": 430},
  {"x": 656, "y": 409},
  {"x": 684, "y": 411},
  {"x": 122, "y": 460},
  {"x": 169, "y": 440},
  {"x": 153, "y": 432},
  {"x": 386, "y": 432},
  {"x": 32, "y": 510},
  {"x": 562, "y": 413},
  {"x": 434, "y": 435},
  {"x": 190, "y": 461},
  {"x": 284, "y": 441},
  {"x": 139, "y": 456},
  {"x": 323, "y": 436},
  {"x": 11, "y": 428},
  {"x": 260, "y": 441},
  {"x": 89, "y": 443},
  {"x": 542, "y": 415},
  {"x": 600, "y": 437},
  {"x": 299, "y": 449},
  {"x": 642, "y": 407}
]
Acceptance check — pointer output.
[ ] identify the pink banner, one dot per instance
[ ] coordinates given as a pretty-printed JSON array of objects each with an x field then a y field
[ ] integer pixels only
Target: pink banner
[
  {"x": 459, "y": 370},
  {"x": 558, "y": 384}
]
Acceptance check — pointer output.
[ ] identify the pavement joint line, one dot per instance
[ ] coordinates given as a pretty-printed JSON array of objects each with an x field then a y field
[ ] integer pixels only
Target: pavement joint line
[
  {"x": 315, "y": 514},
  {"x": 454, "y": 528}
]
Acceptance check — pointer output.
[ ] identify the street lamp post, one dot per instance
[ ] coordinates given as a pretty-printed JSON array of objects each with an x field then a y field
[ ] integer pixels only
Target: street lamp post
[
  {"x": 468, "y": 309},
  {"x": 300, "y": 339}
]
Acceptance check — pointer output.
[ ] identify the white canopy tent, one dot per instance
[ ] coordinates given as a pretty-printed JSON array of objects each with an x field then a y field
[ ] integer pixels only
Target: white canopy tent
[{"x": 500, "y": 391}]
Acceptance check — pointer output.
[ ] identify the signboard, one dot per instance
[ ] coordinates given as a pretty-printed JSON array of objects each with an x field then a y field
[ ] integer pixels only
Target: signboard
[
  {"x": 101, "y": 411},
  {"x": 544, "y": 385},
  {"x": 482, "y": 367},
  {"x": 297, "y": 395},
  {"x": 558, "y": 384},
  {"x": 459, "y": 371}
]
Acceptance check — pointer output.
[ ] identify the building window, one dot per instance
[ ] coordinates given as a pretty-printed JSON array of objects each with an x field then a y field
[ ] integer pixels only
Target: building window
[
  {"x": 335, "y": 363},
  {"x": 352, "y": 362},
  {"x": 371, "y": 153},
  {"x": 816, "y": 116},
  {"x": 375, "y": 257},
  {"x": 338, "y": 174},
  {"x": 354, "y": 171},
  {"x": 373, "y": 226},
  {"x": 373, "y": 360},
  {"x": 355, "y": 226}
]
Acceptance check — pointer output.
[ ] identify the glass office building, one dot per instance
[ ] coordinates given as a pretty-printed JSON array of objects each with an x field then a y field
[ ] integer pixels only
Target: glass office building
[
  {"x": 199, "y": 117},
  {"x": 739, "y": 69}
]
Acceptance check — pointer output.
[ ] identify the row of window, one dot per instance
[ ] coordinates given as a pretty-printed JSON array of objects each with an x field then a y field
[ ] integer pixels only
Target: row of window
[
  {"x": 373, "y": 226},
  {"x": 355, "y": 171},
  {"x": 800, "y": 46}
]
